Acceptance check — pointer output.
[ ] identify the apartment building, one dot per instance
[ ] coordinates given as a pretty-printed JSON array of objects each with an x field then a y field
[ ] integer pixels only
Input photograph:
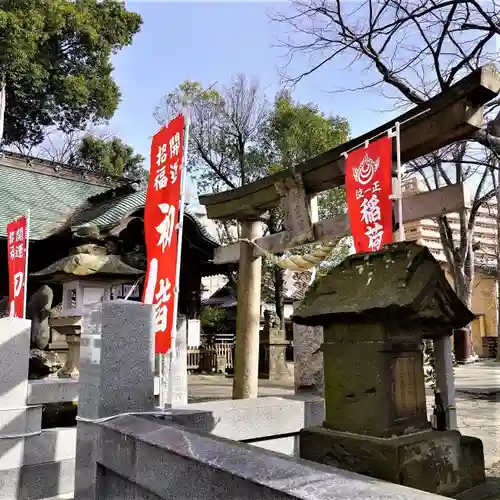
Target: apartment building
[{"x": 484, "y": 298}]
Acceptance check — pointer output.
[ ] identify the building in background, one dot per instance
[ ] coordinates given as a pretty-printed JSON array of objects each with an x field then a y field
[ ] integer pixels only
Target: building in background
[
  {"x": 62, "y": 199},
  {"x": 484, "y": 294}
]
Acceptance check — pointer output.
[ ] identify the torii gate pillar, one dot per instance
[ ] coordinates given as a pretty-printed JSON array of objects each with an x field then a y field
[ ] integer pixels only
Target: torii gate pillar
[{"x": 246, "y": 363}]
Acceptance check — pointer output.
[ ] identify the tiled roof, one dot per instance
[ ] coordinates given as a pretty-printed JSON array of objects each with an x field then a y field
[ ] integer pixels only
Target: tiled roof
[
  {"x": 56, "y": 201},
  {"x": 111, "y": 212},
  {"x": 50, "y": 199}
]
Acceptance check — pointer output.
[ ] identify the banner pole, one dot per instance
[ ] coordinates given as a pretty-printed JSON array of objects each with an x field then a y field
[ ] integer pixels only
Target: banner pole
[
  {"x": 166, "y": 399},
  {"x": 401, "y": 232},
  {"x": 27, "y": 236}
]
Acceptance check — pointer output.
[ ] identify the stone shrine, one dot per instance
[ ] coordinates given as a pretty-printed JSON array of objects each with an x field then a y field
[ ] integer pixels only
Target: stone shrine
[
  {"x": 375, "y": 309},
  {"x": 87, "y": 275}
]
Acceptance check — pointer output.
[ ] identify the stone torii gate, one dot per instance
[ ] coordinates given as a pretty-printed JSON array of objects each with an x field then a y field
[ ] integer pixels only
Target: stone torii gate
[{"x": 448, "y": 117}]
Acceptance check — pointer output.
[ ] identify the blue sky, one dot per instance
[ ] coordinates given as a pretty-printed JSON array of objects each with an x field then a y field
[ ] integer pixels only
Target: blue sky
[{"x": 209, "y": 42}]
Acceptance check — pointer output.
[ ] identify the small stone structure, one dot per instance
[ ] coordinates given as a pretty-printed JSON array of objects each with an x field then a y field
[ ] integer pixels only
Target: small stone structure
[
  {"x": 86, "y": 275},
  {"x": 272, "y": 353},
  {"x": 308, "y": 358},
  {"x": 217, "y": 449},
  {"x": 117, "y": 376},
  {"x": 375, "y": 309}
]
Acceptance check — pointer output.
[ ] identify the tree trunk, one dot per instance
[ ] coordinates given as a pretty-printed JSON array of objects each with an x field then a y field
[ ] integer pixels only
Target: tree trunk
[
  {"x": 462, "y": 337},
  {"x": 278, "y": 281},
  {"x": 279, "y": 293},
  {"x": 497, "y": 287}
]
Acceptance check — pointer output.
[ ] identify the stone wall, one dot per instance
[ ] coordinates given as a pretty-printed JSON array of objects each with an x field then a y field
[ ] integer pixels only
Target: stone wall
[
  {"x": 219, "y": 449},
  {"x": 272, "y": 423},
  {"x": 35, "y": 463},
  {"x": 146, "y": 458}
]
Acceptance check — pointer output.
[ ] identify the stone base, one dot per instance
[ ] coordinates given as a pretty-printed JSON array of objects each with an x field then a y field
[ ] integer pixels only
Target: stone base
[
  {"x": 272, "y": 362},
  {"x": 445, "y": 463}
]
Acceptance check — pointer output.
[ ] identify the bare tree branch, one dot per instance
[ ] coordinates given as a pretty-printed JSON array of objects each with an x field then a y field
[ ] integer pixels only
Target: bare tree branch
[{"x": 416, "y": 48}]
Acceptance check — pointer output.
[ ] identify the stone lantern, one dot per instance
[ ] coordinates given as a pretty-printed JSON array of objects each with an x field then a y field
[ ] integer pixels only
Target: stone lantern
[
  {"x": 375, "y": 309},
  {"x": 87, "y": 276}
]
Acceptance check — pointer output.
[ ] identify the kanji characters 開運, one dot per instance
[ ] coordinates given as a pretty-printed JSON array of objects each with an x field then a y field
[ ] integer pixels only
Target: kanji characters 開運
[{"x": 16, "y": 244}]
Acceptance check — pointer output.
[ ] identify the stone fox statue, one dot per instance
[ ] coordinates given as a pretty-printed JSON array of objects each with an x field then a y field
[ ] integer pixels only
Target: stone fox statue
[{"x": 38, "y": 311}]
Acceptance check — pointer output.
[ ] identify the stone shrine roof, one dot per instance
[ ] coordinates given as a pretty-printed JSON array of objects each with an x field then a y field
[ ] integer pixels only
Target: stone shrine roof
[
  {"x": 402, "y": 282},
  {"x": 85, "y": 261}
]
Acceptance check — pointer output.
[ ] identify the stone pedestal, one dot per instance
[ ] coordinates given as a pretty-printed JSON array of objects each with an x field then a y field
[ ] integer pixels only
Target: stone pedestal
[
  {"x": 272, "y": 363},
  {"x": 70, "y": 327},
  {"x": 116, "y": 376},
  {"x": 438, "y": 462},
  {"x": 175, "y": 381},
  {"x": 373, "y": 370},
  {"x": 375, "y": 309},
  {"x": 272, "y": 354},
  {"x": 308, "y": 358}
]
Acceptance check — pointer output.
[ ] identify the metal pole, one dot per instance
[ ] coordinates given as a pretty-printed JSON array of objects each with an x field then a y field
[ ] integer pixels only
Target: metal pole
[
  {"x": 185, "y": 144},
  {"x": 27, "y": 236},
  {"x": 400, "y": 183}
]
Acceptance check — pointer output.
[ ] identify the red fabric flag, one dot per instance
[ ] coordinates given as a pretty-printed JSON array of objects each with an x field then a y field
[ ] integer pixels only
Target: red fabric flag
[
  {"x": 161, "y": 225},
  {"x": 368, "y": 186},
  {"x": 17, "y": 234}
]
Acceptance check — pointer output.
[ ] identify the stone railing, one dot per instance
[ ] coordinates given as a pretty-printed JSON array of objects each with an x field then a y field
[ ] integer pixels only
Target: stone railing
[
  {"x": 35, "y": 462},
  {"x": 226, "y": 448},
  {"x": 196, "y": 451},
  {"x": 147, "y": 458}
]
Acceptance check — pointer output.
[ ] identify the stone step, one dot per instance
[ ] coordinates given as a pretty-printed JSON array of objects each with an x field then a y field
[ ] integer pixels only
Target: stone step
[{"x": 489, "y": 490}]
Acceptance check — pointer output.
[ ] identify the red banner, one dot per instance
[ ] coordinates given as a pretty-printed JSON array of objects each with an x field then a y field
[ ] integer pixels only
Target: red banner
[
  {"x": 368, "y": 187},
  {"x": 161, "y": 218},
  {"x": 17, "y": 234}
]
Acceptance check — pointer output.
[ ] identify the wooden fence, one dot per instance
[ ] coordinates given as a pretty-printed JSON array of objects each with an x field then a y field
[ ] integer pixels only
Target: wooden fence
[{"x": 217, "y": 358}]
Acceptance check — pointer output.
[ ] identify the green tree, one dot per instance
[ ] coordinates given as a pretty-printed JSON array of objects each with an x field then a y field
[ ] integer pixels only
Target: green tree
[
  {"x": 226, "y": 124},
  {"x": 55, "y": 60},
  {"x": 110, "y": 156},
  {"x": 293, "y": 133},
  {"x": 236, "y": 137}
]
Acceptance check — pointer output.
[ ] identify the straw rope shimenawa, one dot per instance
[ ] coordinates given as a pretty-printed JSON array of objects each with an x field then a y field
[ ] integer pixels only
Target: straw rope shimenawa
[{"x": 298, "y": 263}]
